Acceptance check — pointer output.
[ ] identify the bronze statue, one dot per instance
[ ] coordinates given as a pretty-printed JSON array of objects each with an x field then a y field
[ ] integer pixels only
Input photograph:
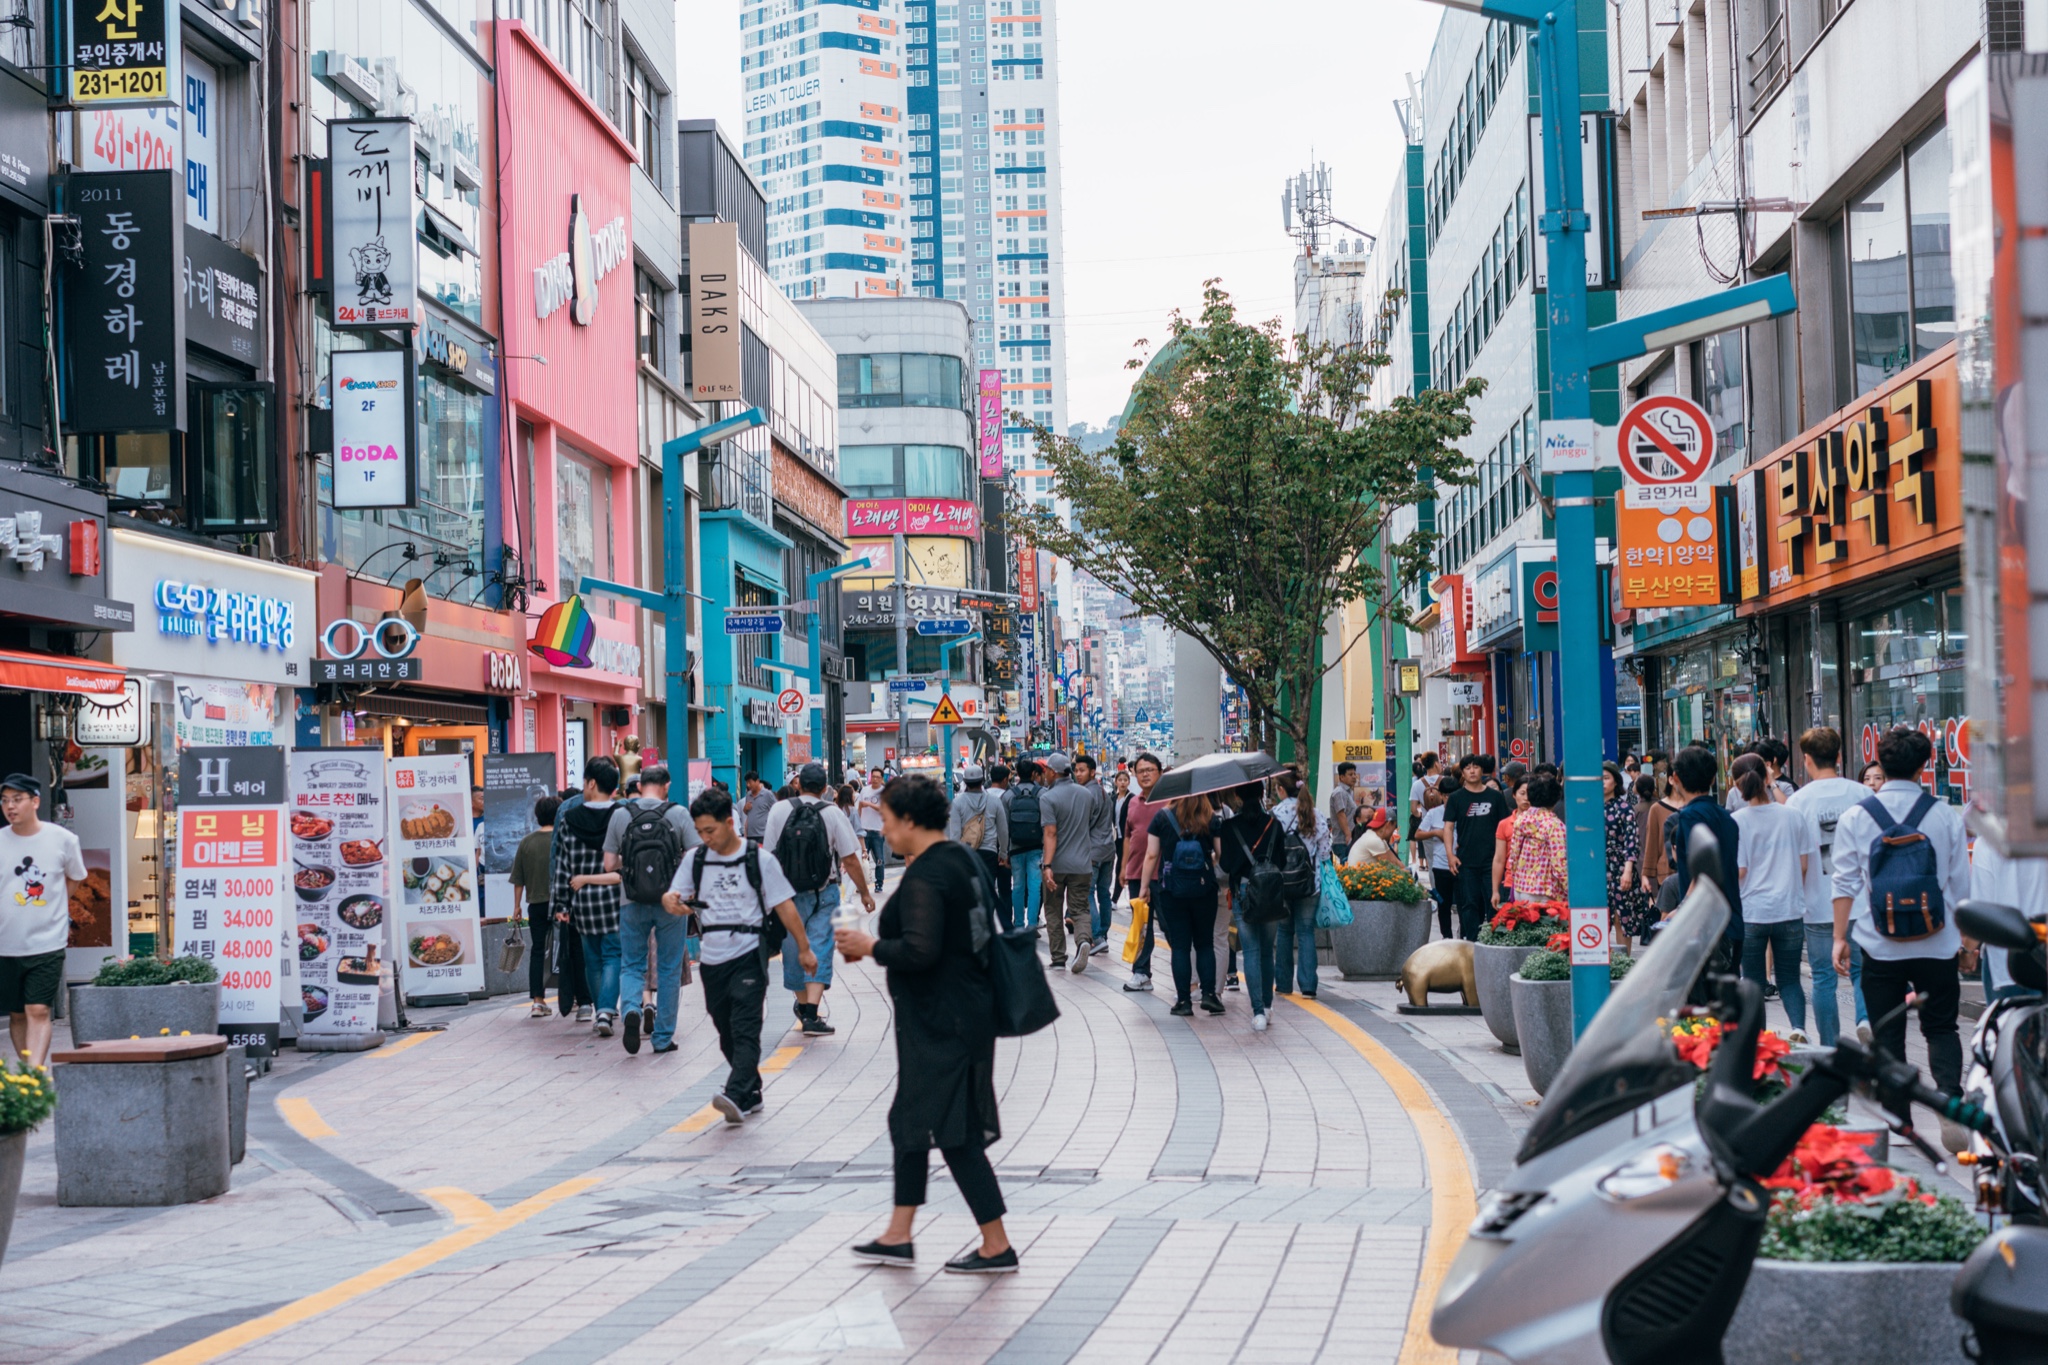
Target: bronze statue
[{"x": 1445, "y": 965}]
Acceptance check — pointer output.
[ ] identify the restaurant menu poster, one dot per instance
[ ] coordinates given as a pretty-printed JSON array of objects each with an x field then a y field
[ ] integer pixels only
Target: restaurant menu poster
[
  {"x": 433, "y": 850},
  {"x": 231, "y": 879},
  {"x": 340, "y": 885}
]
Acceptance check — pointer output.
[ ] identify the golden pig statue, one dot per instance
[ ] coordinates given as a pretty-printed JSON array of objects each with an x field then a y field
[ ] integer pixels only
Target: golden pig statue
[{"x": 1445, "y": 965}]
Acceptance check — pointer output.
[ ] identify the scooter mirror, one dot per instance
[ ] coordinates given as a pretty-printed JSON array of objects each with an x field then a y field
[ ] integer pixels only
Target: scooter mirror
[
  {"x": 1703, "y": 857},
  {"x": 2001, "y": 926}
]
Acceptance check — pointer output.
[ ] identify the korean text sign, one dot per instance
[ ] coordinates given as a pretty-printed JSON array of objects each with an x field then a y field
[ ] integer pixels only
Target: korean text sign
[
  {"x": 372, "y": 392},
  {"x": 124, "y": 51},
  {"x": 375, "y": 260},
  {"x": 433, "y": 846},
  {"x": 338, "y": 842},
  {"x": 125, "y": 310},
  {"x": 991, "y": 411},
  {"x": 230, "y": 883}
]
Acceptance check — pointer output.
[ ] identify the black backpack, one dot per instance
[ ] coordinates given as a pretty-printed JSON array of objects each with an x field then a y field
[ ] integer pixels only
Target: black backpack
[
  {"x": 805, "y": 846},
  {"x": 650, "y": 851},
  {"x": 1298, "y": 874},
  {"x": 1265, "y": 886},
  {"x": 770, "y": 928},
  {"x": 1027, "y": 828}
]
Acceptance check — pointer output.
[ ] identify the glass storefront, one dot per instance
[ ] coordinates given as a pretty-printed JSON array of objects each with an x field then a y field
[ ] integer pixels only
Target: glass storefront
[
  {"x": 1906, "y": 668},
  {"x": 1709, "y": 698}
]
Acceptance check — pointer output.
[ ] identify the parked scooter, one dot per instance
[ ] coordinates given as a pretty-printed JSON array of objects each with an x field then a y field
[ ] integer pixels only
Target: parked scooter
[{"x": 1628, "y": 1228}]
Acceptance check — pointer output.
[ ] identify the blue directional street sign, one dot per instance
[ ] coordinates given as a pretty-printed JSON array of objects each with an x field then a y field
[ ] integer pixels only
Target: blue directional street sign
[
  {"x": 753, "y": 625},
  {"x": 954, "y": 626},
  {"x": 906, "y": 684}
]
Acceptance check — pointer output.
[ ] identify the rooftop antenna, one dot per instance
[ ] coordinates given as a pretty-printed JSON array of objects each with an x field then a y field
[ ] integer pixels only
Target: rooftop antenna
[{"x": 1305, "y": 209}]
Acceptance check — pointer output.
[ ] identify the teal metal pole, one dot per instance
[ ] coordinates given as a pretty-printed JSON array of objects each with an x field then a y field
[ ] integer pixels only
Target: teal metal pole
[
  {"x": 1564, "y": 224},
  {"x": 675, "y": 661}
]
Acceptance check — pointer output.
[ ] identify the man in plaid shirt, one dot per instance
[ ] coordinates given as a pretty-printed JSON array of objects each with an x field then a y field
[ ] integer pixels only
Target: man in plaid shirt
[{"x": 592, "y": 898}]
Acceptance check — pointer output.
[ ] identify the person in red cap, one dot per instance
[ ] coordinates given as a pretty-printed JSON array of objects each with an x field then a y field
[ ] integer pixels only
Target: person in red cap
[{"x": 1373, "y": 842}]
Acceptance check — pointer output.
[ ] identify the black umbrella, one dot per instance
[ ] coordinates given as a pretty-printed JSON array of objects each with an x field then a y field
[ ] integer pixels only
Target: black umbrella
[{"x": 1212, "y": 773}]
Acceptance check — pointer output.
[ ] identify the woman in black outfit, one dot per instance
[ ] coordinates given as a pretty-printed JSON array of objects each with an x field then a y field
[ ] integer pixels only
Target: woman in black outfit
[
  {"x": 1188, "y": 915},
  {"x": 945, "y": 1027}
]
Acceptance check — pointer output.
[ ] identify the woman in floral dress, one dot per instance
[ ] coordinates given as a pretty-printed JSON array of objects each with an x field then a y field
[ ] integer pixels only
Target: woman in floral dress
[{"x": 1629, "y": 905}]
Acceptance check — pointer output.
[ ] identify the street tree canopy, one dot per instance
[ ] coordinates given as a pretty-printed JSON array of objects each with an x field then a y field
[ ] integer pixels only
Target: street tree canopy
[{"x": 1250, "y": 493}]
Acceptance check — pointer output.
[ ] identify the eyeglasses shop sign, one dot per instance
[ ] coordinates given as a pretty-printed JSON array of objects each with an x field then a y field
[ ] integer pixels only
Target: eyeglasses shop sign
[{"x": 373, "y": 428}]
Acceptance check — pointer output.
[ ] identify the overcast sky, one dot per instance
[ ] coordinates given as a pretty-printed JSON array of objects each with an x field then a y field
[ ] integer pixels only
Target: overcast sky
[{"x": 1179, "y": 125}]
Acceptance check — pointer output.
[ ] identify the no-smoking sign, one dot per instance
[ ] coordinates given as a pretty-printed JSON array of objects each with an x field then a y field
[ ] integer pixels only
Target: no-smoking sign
[
  {"x": 790, "y": 702},
  {"x": 1589, "y": 935},
  {"x": 1666, "y": 448}
]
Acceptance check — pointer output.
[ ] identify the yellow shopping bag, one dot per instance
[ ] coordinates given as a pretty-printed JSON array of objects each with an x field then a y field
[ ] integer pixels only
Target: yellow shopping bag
[{"x": 1134, "y": 937}]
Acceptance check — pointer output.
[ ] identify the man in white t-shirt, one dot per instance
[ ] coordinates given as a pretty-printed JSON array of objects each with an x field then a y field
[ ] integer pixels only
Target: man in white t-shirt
[
  {"x": 741, "y": 886},
  {"x": 37, "y": 864},
  {"x": 867, "y": 805},
  {"x": 827, "y": 852},
  {"x": 1821, "y": 802}
]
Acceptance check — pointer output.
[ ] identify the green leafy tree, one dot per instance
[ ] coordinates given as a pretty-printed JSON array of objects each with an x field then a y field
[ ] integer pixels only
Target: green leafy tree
[{"x": 1250, "y": 494}]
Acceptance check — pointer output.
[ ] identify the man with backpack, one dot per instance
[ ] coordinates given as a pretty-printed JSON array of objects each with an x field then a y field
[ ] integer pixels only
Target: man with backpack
[
  {"x": 1902, "y": 864},
  {"x": 644, "y": 841},
  {"x": 813, "y": 841},
  {"x": 978, "y": 820},
  {"x": 583, "y": 888},
  {"x": 744, "y": 906},
  {"x": 1022, "y": 809}
]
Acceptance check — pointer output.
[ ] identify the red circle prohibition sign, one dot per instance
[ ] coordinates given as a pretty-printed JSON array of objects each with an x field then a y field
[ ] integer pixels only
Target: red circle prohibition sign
[
  {"x": 1666, "y": 439},
  {"x": 1589, "y": 936}
]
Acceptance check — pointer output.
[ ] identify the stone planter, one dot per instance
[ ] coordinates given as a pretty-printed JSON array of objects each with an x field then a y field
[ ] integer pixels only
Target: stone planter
[
  {"x": 1379, "y": 939},
  {"x": 1492, "y": 965},
  {"x": 495, "y": 932},
  {"x": 1543, "y": 1027},
  {"x": 100, "y": 1013},
  {"x": 13, "y": 1154},
  {"x": 1846, "y": 1313}
]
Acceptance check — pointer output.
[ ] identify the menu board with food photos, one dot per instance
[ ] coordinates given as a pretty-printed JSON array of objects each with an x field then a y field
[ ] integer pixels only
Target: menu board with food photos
[
  {"x": 433, "y": 851},
  {"x": 341, "y": 885}
]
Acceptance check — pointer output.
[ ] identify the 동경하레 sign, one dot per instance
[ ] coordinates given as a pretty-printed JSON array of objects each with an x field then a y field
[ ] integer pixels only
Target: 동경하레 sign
[
  {"x": 375, "y": 260},
  {"x": 125, "y": 309}
]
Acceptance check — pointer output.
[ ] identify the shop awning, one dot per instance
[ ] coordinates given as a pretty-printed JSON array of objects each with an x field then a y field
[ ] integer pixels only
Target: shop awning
[{"x": 56, "y": 673}]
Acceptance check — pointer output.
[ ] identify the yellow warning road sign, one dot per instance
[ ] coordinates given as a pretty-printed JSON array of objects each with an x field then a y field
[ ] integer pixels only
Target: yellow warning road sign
[{"x": 947, "y": 713}]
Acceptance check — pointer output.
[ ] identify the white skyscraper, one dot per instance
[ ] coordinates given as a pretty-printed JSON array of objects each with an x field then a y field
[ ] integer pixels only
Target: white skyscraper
[{"x": 823, "y": 95}]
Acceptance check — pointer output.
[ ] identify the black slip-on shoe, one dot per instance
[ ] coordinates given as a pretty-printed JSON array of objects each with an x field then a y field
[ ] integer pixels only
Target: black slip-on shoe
[
  {"x": 667, "y": 1047},
  {"x": 901, "y": 1255},
  {"x": 1211, "y": 1003},
  {"x": 1182, "y": 1008},
  {"x": 1003, "y": 1262},
  {"x": 632, "y": 1037}
]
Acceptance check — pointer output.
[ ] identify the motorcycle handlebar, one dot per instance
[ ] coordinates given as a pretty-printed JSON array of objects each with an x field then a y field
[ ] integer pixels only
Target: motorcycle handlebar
[{"x": 1953, "y": 1109}]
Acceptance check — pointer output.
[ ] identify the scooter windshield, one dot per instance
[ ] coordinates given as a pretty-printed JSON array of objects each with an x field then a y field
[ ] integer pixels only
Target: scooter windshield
[{"x": 1625, "y": 1057}]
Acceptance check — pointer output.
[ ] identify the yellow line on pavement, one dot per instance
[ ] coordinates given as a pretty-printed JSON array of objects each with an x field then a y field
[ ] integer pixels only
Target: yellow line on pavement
[
  {"x": 781, "y": 1059},
  {"x": 375, "y": 1278},
  {"x": 464, "y": 1207},
  {"x": 1452, "y": 1203},
  {"x": 698, "y": 1121},
  {"x": 393, "y": 1049},
  {"x": 304, "y": 1118}
]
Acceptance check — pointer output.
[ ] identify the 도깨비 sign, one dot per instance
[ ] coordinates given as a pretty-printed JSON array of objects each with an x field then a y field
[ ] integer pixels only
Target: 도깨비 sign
[
  {"x": 341, "y": 882},
  {"x": 229, "y": 883},
  {"x": 124, "y": 51},
  {"x": 433, "y": 847},
  {"x": 125, "y": 308},
  {"x": 375, "y": 259},
  {"x": 373, "y": 428}
]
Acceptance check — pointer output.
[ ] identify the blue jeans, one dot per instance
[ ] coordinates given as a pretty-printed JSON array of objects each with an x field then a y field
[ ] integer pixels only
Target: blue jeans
[
  {"x": 815, "y": 909},
  {"x": 1105, "y": 898},
  {"x": 1255, "y": 953},
  {"x": 1026, "y": 886},
  {"x": 1827, "y": 1010},
  {"x": 671, "y": 943},
  {"x": 1787, "y": 940},
  {"x": 878, "y": 849},
  {"x": 1295, "y": 938},
  {"x": 601, "y": 969}
]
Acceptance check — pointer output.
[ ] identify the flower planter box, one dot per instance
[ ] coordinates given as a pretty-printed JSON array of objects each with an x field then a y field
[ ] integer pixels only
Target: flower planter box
[
  {"x": 1379, "y": 938},
  {"x": 1543, "y": 1027},
  {"x": 1846, "y": 1313},
  {"x": 13, "y": 1154},
  {"x": 101, "y": 1013},
  {"x": 1492, "y": 965}
]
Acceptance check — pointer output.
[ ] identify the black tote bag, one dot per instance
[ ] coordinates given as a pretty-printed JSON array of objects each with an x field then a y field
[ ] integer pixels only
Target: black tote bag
[{"x": 1023, "y": 999}]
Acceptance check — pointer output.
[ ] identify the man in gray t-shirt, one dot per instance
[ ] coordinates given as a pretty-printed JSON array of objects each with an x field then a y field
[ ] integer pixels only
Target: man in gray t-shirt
[
  {"x": 642, "y": 924},
  {"x": 754, "y": 810},
  {"x": 1067, "y": 811}
]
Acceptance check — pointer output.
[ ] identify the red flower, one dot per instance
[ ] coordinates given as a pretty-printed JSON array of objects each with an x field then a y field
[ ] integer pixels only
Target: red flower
[
  {"x": 1558, "y": 943},
  {"x": 1831, "y": 1164}
]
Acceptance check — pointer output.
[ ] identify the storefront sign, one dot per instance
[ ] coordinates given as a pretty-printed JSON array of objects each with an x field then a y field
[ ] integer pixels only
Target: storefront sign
[
  {"x": 866, "y": 609},
  {"x": 112, "y": 723},
  {"x": 230, "y": 884},
  {"x": 371, "y": 171},
  {"x": 1027, "y": 578},
  {"x": 503, "y": 672},
  {"x": 1468, "y": 694},
  {"x": 440, "y": 344},
  {"x": 615, "y": 656},
  {"x": 373, "y": 395},
  {"x": 223, "y": 298},
  {"x": 1667, "y": 520},
  {"x": 212, "y": 613},
  {"x": 912, "y": 516},
  {"x": 24, "y": 145},
  {"x": 125, "y": 308},
  {"x": 434, "y": 849},
  {"x": 1443, "y": 643},
  {"x": 208, "y": 711},
  {"x": 571, "y": 277},
  {"x": 991, "y": 410},
  {"x": 1539, "y": 607},
  {"x": 804, "y": 491},
  {"x": 342, "y": 884},
  {"x": 124, "y": 51},
  {"x": 1874, "y": 488},
  {"x": 715, "y": 310}
]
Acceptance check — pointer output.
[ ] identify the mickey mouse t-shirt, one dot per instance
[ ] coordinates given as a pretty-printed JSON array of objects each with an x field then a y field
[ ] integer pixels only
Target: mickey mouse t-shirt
[{"x": 35, "y": 897}]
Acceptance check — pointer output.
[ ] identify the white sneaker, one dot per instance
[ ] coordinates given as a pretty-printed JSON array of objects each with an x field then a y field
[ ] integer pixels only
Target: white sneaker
[
  {"x": 1863, "y": 1032},
  {"x": 1258, "y": 1023},
  {"x": 1796, "y": 1037},
  {"x": 1080, "y": 962},
  {"x": 1099, "y": 949},
  {"x": 1138, "y": 983},
  {"x": 725, "y": 1105}
]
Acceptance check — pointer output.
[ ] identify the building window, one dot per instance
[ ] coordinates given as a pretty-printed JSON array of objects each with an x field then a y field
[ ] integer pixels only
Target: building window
[
  {"x": 575, "y": 32},
  {"x": 1896, "y": 300},
  {"x": 644, "y": 101},
  {"x": 903, "y": 381},
  {"x": 583, "y": 516},
  {"x": 906, "y": 471},
  {"x": 650, "y": 303},
  {"x": 1717, "y": 380},
  {"x": 749, "y": 650}
]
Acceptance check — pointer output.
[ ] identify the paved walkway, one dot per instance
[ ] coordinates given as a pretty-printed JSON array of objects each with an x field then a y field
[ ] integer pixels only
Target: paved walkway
[{"x": 514, "y": 1190}]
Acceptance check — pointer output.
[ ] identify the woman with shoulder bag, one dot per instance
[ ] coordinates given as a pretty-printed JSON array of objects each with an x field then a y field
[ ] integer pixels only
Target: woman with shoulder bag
[
  {"x": 945, "y": 1027},
  {"x": 1181, "y": 892}
]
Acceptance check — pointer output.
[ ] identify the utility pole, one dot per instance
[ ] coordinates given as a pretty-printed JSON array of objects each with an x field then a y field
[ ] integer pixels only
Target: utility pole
[{"x": 902, "y": 658}]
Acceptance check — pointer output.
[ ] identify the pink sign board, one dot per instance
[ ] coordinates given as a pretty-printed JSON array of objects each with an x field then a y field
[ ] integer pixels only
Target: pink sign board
[
  {"x": 912, "y": 517},
  {"x": 991, "y": 424}
]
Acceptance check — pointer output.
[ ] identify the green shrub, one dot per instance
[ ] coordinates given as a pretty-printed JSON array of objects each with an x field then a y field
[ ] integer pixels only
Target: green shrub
[
  {"x": 1901, "y": 1229},
  {"x": 26, "y": 1097},
  {"x": 147, "y": 971},
  {"x": 1555, "y": 966}
]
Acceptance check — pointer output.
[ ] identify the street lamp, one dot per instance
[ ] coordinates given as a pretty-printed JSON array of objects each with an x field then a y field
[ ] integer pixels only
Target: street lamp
[
  {"x": 1575, "y": 348},
  {"x": 672, "y": 603}
]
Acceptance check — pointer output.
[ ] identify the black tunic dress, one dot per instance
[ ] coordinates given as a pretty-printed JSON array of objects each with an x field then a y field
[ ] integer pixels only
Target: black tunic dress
[{"x": 945, "y": 1010}]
